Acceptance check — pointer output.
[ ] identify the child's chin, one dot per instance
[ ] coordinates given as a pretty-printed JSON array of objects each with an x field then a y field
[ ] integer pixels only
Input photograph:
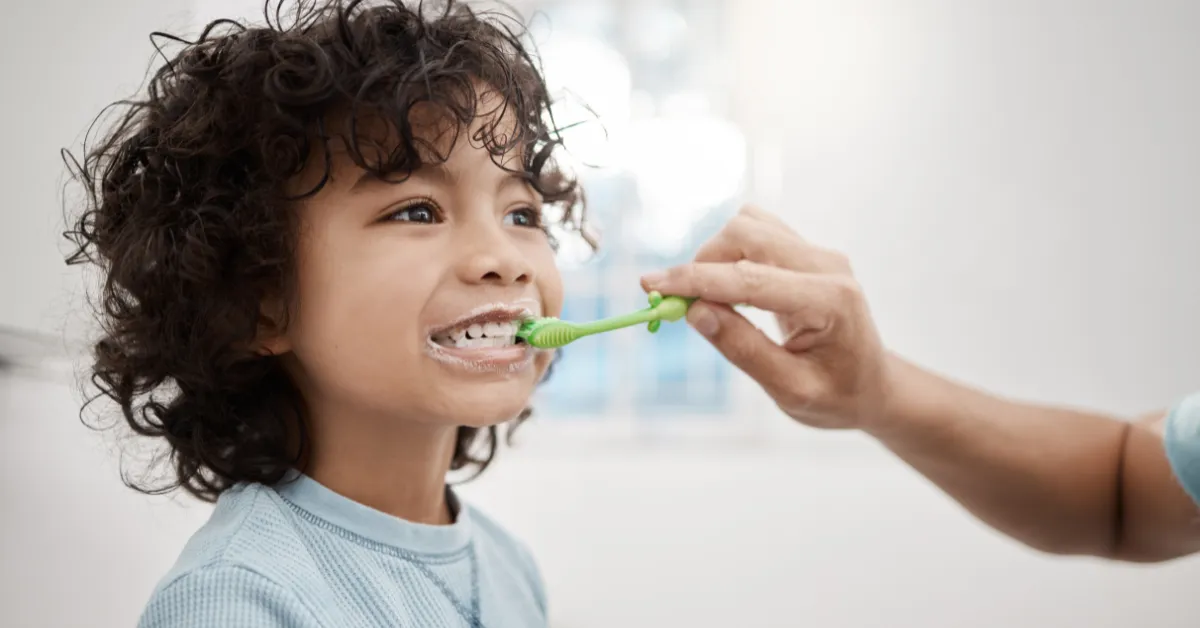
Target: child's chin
[{"x": 488, "y": 405}]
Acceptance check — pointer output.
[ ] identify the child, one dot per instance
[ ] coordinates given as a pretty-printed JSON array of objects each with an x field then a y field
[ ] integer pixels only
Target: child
[{"x": 317, "y": 238}]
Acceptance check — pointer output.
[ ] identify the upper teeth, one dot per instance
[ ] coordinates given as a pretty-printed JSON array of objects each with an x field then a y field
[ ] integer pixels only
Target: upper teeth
[{"x": 479, "y": 335}]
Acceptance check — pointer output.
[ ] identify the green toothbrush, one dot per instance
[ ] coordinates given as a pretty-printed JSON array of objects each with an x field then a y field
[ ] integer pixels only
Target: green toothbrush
[{"x": 551, "y": 333}]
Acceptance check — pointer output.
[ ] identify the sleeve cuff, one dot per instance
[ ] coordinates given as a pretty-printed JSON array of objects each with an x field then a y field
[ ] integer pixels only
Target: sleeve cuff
[{"x": 1181, "y": 441}]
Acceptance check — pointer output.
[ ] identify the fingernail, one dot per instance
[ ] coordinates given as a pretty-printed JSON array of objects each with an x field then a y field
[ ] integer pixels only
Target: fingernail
[
  {"x": 703, "y": 320},
  {"x": 654, "y": 278}
]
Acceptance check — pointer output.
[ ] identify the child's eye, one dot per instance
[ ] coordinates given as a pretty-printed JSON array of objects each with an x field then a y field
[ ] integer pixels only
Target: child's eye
[
  {"x": 524, "y": 217},
  {"x": 419, "y": 212}
]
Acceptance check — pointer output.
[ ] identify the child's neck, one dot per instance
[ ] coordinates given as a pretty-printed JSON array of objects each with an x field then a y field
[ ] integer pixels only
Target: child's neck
[{"x": 401, "y": 472}]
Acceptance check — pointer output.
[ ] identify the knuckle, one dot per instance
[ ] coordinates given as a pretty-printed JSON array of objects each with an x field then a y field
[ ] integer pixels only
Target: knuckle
[
  {"x": 758, "y": 214},
  {"x": 684, "y": 276},
  {"x": 839, "y": 261},
  {"x": 752, "y": 237},
  {"x": 830, "y": 261},
  {"x": 710, "y": 250},
  {"x": 750, "y": 276},
  {"x": 845, "y": 289},
  {"x": 739, "y": 228},
  {"x": 725, "y": 245},
  {"x": 793, "y": 398}
]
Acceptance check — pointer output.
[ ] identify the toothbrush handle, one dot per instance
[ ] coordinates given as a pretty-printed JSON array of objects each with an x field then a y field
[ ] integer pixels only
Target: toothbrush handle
[
  {"x": 645, "y": 315},
  {"x": 668, "y": 309}
]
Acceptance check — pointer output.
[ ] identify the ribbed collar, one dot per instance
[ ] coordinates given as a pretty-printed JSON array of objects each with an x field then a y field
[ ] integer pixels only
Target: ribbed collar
[{"x": 323, "y": 504}]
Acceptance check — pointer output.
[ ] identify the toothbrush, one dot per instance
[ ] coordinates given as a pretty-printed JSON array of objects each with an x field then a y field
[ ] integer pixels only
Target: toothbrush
[{"x": 552, "y": 333}]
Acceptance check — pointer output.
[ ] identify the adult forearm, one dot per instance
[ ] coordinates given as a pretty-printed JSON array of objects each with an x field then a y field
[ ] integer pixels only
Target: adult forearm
[
  {"x": 1048, "y": 477},
  {"x": 1061, "y": 480}
]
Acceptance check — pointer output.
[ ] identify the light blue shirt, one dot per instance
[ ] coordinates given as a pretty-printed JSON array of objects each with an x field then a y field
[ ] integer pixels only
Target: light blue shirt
[
  {"x": 1182, "y": 443},
  {"x": 301, "y": 556}
]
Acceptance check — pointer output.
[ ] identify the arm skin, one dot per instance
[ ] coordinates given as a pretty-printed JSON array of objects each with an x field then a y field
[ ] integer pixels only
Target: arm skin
[{"x": 1060, "y": 481}]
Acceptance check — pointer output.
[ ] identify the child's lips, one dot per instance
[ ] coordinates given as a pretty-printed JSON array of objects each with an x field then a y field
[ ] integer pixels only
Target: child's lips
[
  {"x": 503, "y": 353},
  {"x": 483, "y": 358},
  {"x": 494, "y": 313}
]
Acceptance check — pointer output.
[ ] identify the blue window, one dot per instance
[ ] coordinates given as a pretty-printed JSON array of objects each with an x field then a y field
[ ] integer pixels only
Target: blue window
[
  {"x": 671, "y": 373},
  {"x": 670, "y": 171},
  {"x": 680, "y": 373},
  {"x": 581, "y": 384}
]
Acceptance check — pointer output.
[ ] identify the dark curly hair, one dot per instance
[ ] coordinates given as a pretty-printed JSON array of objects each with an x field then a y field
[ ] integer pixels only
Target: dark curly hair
[{"x": 187, "y": 217}]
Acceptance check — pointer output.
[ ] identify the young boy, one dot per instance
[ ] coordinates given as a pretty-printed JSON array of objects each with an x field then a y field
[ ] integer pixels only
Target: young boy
[{"x": 318, "y": 238}]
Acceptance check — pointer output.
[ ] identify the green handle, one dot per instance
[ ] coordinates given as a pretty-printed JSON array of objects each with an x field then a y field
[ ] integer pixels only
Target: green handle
[
  {"x": 661, "y": 308},
  {"x": 549, "y": 333}
]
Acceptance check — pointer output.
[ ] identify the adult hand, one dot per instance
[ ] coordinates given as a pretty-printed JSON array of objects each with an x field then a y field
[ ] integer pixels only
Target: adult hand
[{"x": 830, "y": 371}]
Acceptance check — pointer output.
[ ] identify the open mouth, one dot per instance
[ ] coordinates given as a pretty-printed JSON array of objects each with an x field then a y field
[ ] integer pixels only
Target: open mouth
[
  {"x": 479, "y": 336},
  {"x": 494, "y": 329}
]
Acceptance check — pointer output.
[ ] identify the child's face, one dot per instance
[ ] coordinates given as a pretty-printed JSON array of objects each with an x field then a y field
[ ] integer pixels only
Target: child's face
[{"x": 397, "y": 281}]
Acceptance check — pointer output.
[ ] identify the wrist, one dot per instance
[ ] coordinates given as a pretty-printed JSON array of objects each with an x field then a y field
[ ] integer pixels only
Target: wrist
[{"x": 909, "y": 405}]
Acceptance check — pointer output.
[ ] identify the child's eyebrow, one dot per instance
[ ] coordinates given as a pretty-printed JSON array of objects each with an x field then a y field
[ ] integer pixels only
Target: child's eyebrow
[
  {"x": 442, "y": 175},
  {"x": 368, "y": 179},
  {"x": 518, "y": 179}
]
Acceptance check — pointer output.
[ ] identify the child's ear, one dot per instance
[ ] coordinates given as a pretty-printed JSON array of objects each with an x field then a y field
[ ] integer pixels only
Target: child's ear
[{"x": 271, "y": 335}]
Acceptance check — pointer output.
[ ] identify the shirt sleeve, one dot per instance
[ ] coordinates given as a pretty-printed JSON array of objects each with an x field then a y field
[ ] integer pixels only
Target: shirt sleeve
[
  {"x": 225, "y": 596},
  {"x": 538, "y": 583},
  {"x": 533, "y": 574},
  {"x": 1181, "y": 440}
]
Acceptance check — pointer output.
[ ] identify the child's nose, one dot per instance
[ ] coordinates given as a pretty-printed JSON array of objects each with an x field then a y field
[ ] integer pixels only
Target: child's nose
[{"x": 497, "y": 264}]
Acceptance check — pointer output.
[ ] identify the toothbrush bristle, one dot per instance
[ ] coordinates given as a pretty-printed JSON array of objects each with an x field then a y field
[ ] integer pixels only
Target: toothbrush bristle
[
  {"x": 558, "y": 335},
  {"x": 548, "y": 333}
]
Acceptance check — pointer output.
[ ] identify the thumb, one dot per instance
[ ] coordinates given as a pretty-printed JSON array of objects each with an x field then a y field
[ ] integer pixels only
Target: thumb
[{"x": 743, "y": 344}]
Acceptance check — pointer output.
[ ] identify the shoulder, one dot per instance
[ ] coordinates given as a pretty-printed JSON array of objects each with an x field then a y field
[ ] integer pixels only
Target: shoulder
[
  {"x": 225, "y": 594},
  {"x": 1181, "y": 439},
  {"x": 249, "y": 526},
  {"x": 493, "y": 538},
  {"x": 497, "y": 538},
  {"x": 237, "y": 569}
]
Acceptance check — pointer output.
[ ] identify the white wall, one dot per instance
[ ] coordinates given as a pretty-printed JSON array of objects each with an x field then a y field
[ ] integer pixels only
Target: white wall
[
  {"x": 60, "y": 63},
  {"x": 77, "y": 548},
  {"x": 779, "y": 540},
  {"x": 1014, "y": 181}
]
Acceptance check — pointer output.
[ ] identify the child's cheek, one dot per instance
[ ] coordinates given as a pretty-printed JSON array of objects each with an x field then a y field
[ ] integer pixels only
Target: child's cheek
[{"x": 552, "y": 291}]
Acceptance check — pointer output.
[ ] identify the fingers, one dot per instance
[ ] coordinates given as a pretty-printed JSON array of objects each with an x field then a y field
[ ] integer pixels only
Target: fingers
[
  {"x": 748, "y": 236},
  {"x": 807, "y": 297},
  {"x": 757, "y": 213},
  {"x": 761, "y": 237},
  {"x": 744, "y": 345}
]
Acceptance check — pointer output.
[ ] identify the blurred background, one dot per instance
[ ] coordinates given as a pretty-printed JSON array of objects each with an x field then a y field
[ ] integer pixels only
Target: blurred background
[{"x": 1015, "y": 181}]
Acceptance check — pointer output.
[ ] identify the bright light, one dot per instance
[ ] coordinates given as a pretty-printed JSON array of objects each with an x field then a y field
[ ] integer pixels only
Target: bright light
[
  {"x": 573, "y": 251},
  {"x": 656, "y": 29},
  {"x": 685, "y": 166},
  {"x": 591, "y": 85}
]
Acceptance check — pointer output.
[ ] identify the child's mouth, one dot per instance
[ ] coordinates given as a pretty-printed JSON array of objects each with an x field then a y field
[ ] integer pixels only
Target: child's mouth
[
  {"x": 480, "y": 336},
  {"x": 484, "y": 341}
]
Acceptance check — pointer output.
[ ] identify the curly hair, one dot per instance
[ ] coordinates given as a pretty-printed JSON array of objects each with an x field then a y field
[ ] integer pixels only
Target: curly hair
[{"x": 186, "y": 212}]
